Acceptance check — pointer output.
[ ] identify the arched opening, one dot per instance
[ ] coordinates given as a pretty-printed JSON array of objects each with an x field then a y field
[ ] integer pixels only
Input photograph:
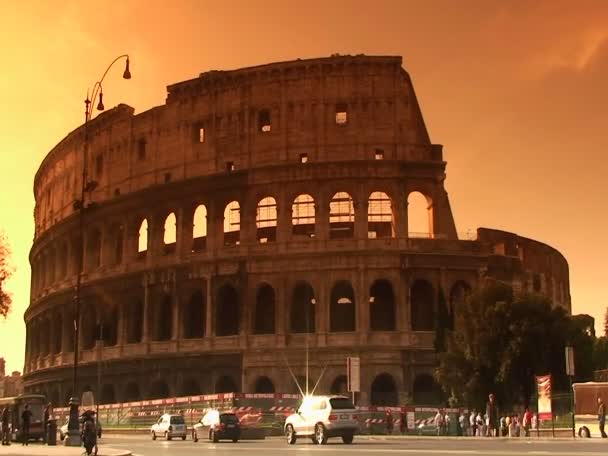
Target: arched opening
[
  {"x": 341, "y": 216},
  {"x": 303, "y": 216},
  {"x": 458, "y": 296},
  {"x": 227, "y": 311},
  {"x": 264, "y": 314},
  {"x": 339, "y": 385},
  {"x": 194, "y": 316},
  {"x": 109, "y": 329},
  {"x": 142, "y": 240},
  {"x": 44, "y": 339},
  {"x": 380, "y": 222},
  {"x": 57, "y": 333},
  {"x": 164, "y": 318},
  {"x": 342, "y": 308},
  {"x": 419, "y": 216},
  {"x": 107, "y": 394},
  {"x": 190, "y": 387},
  {"x": 422, "y": 298},
  {"x": 263, "y": 385},
  {"x": 384, "y": 391},
  {"x": 226, "y": 384},
  {"x": 303, "y": 308},
  {"x": 159, "y": 390},
  {"x": 132, "y": 393},
  {"x": 115, "y": 240},
  {"x": 266, "y": 220},
  {"x": 426, "y": 390},
  {"x": 232, "y": 224},
  {"x": 93, "y": 250},
  {"x": 199, "y": 231},
  {"x": 135, "y": 322},
  {"x": 88, "y": 326},
  {"x": 382, "y": 306},
  {"x": 170, "y": 233}
]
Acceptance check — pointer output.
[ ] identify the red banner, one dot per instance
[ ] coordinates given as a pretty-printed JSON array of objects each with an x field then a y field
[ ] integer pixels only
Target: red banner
[{"x": 543, "y": 384}]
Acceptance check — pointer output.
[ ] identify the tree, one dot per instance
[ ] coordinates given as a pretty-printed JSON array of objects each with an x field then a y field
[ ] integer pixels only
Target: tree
[
  {"x": 5, "y": 273},
  {"x": 606, "y": 323}
]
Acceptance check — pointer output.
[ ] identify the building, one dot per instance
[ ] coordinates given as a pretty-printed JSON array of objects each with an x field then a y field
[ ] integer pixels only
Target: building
[
  {"x": 258, "y": 212},
  {"x": 10, "y": 385}
]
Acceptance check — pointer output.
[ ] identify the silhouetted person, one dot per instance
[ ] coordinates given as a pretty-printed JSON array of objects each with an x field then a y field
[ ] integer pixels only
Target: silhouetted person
[
  {"x": 5, "y": 418},
  {"x": 492, "y": 416},
  {"x": 26, "y": 419},
  {"x": 601, "y": 416}
]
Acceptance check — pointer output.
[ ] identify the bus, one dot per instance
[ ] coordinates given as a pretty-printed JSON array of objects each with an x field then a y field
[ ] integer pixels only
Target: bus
[
  {"x": 16, "y": 405},
  {"x": 585, "y": 407}
]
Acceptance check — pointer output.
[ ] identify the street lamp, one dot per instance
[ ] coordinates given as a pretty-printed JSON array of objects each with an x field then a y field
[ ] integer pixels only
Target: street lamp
[{"x": 73, "y": 437}]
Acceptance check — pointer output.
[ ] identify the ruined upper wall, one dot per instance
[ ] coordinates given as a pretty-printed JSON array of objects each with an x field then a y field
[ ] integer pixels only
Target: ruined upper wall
[{"x": 242, "y": 119}]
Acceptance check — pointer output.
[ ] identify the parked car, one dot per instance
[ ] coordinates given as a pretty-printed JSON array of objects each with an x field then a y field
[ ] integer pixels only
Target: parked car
[
  {"x": 216, "y": 426},
  {"x": 63, "y": 430},
  {"x": 169, "y": 426},
  {"x": 323, "y": 417}
]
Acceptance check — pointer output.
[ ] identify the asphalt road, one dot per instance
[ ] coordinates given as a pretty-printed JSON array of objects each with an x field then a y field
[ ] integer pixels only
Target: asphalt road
[{"x": 143, "y": 446}]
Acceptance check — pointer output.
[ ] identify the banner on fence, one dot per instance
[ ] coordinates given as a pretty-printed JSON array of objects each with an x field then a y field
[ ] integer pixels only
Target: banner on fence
[{"x": 543, "y": 384}]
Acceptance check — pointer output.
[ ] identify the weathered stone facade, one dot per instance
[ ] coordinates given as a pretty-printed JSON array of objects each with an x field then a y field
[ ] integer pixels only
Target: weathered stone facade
[{"x": 197, "y": 293}]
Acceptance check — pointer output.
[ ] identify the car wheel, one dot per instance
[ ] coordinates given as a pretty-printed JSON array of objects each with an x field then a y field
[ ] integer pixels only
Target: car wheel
[
  {"x": 348, "y": 438},
  {"x": 214, "y": 437},
  {"x": 153, "y": 435},
  {"x": 235, "y": 440},
  {"x": 184, "y": 437},
  {"x": 194, "y": 436},
  {"x": 290, "y": 434},
  {"x": 61, "y": 436},
  {"x": 584, "y": 432},
  {"x": 167, "y": 436},
  {"x": 320, "y": 434}
]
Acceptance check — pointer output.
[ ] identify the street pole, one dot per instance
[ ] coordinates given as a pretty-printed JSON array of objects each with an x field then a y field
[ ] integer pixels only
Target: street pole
[
  {"x": 572, "y": 406},
  {"x": 73, "y": 437}
]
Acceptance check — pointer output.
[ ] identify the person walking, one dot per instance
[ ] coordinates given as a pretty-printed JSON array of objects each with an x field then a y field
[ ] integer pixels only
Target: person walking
[
  {"x": 5, "y": 418},
  {"x": 601, "y": 416},
  {"x": 527, "y": 422},
  {"x": 45, "y": 422},
  {"x": 492, "y": 416},
  {"x": 439, "y": 422},
  {"x": 389, "y": 422},
  {"x": 472, "y": 423},
  {"x": 26, "y": 419}
]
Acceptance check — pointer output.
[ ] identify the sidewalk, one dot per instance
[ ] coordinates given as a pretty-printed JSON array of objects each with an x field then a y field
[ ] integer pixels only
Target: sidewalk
[
  {"x": 16, "y": 449},
  {"x": 472, "y": 439}
]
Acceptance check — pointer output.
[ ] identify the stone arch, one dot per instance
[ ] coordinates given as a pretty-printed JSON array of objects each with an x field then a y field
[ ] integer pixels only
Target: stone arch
[
  {"x": 384, "y": 391},
  {"x": 142, "y": 239},
  {"x": 88, "y": 325},
  {"x": 339, "y": 385},
  {"x": 190, "y": 387},
  {"x": 422, "y": 296},
  {"x": 135, "y": 323},
  {"x": 263, "y": 385},
  {"x": 382, "y": 306},
  {"x": 232, "y": 224},
  {"x": 108, "y": 395},
  {"x": 342, "y": 308},
  {"x": 163, "y": 318},
  {"x": 195, "y": 313},
  {"x": 420, "y": 215},
  {"x": 426, "y": 391},
  {"x": 116, "y": 235},
  {"x": 380, "y": 219},
  {"x": 93, "y": 254},
  {"x": 170, "y": 233},
  {"x": 266, "y": 220},
  {"x": 341, "y": 216},
  {"x": 459, "y": 293},
  {"x": 227, "y": 311},
  {"x": 199, "y": 230},
  {"x": 109, "y": 330},
  {"x": 226, "y": 384},
  {"x": 264, "y": 314},
  {"x": 132, "y": 393},
  {"x": 302, "y": 312},
  {"x": 303, "y": 216},
  {"x": 159, "y": 390}
]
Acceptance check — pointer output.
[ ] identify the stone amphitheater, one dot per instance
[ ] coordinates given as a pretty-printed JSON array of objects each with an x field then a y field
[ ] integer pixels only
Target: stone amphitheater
[{"x": 260, "y": 214}]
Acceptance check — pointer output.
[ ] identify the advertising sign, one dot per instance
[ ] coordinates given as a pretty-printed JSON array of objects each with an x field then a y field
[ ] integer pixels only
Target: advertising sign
[
  {"x": 544, "y": 397},
  {"x": 353, "y": 368}
]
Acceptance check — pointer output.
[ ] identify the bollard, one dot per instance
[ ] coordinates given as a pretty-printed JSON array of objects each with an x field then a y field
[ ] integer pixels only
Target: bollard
[{"x": 51, "y": 433}]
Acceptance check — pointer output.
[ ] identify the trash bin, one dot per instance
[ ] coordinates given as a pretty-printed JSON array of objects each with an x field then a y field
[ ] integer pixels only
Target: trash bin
[{"x": 51, "y": 433}]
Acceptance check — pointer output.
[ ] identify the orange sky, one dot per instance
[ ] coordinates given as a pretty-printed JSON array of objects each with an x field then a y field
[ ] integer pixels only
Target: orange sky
[{"x": 515, "y": 90}]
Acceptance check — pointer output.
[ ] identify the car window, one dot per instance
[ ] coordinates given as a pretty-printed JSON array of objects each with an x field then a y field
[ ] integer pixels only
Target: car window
[
  {"x": 341, "y": 403},
  {"x": 229, "y": 418},
  {"x": 177, "y": 420}
]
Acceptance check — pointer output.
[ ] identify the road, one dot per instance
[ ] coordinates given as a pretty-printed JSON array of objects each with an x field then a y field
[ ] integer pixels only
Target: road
[{"x": 143, "y": 446}]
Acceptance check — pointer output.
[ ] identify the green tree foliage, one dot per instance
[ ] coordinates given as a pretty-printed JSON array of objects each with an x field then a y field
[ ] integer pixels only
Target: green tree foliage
[
  {"x": 5, "y": 273},
  {"x": 502, "y": 340}
]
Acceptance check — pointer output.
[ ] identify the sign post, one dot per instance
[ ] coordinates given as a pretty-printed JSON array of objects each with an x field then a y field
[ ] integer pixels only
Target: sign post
[
  {"x": 353, "y": 369},
  {"x": 570, "y": 374},
  {"x": 544, "y": 400}
]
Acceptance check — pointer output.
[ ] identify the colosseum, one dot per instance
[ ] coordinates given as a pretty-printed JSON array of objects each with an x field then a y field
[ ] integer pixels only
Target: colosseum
[{"x": 260, "y": 214}]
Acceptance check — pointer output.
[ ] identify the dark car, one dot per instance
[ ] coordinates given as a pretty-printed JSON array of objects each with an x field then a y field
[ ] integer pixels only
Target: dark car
[{"x": 216, "y": 426}]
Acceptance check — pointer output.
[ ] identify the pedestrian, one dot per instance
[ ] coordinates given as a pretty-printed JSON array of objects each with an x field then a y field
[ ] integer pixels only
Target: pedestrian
[
  {"x": 492, "y": 416},
  {"x": 481, "y": 428},
  {"x": 527, "y": 422},
  {"x": 511, "y": 426},
  {"x": 502, "y": 425},
  {"x": 439, "y": 422},
  {"x": 5, "y": 418},
  {"x": 26, "y": 418},
  {"x": 389, "y": 422},
  {"x": 446, "y": 423},
  {"x": 472, "y": 423},
  {"x": 463, "y": 424},
  {"x": 89, "y": 432},
  {"x": 45, "y": 422},
  {"x": 535, "y": 421},
  {"x": 403, "y": 423},
  {"x": 601, "y": 416}
]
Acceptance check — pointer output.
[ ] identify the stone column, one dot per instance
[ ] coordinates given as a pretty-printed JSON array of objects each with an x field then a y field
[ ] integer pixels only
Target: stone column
[
  {"x": 51, "y": 334},
  {"x": 360, "y": 207},
  {"x": 248, "y": 235},
  {"x": 209, "y": 327},
  {"x": 185, "y": 226},
  {"x": 147, "y": 312},
  {"x": 399, "y": 209},
  {"x": 322, "y": 218},
  {"x": 362, "y": 302},
  {"x": 176, "y": 310},
  {"x": 121, "y": 325},
  {"x": 284, "y": 212}
]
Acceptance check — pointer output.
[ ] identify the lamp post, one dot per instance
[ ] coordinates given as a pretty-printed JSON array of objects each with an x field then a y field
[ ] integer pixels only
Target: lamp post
[{"x": 73, "y": 437}]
